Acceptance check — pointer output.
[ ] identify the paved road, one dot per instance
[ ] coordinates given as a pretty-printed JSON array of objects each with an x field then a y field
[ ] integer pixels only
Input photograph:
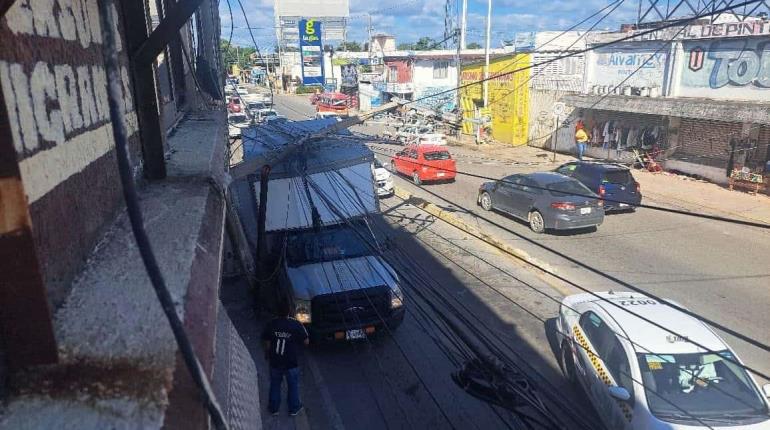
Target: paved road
[{"x": 719, "y": 270}]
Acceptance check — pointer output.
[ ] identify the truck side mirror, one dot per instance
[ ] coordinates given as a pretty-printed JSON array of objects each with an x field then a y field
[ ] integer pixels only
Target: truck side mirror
[{"x": 619, "y": 393}]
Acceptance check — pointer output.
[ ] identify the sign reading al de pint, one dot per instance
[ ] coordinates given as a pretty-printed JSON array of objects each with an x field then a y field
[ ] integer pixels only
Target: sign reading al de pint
[{"x": 311, "y": 52}]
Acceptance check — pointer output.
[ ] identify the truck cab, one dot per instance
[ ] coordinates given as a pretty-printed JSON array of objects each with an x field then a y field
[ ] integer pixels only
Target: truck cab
[{"x": 341, "y": 289}]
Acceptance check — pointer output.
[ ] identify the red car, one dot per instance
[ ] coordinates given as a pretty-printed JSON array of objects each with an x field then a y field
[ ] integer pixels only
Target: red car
[
  {"x": 425, "y": 163},
  {"x": 234, "y": 105}
]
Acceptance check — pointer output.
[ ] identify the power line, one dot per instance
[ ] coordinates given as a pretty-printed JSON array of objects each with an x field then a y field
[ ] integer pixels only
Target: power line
[
  {"x": 593, "y": 196},
  {"x": 529, "y": 286},
  {"x": 674, "y": 23},
  {"x": 550, "y": 272},
  {"x": 482, "y": 336},
  {"x": 379, "y": 252}
]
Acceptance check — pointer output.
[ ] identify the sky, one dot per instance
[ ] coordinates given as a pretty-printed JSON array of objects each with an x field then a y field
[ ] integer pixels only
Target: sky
[{"x": 408, "y": 20}]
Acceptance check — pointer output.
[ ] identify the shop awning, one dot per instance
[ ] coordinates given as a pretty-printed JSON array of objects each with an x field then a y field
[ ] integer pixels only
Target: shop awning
[{"x": 718, "y": 110}]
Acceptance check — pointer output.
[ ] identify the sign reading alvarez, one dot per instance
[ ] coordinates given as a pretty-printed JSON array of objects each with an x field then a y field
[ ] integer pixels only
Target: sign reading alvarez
[{"x": 311, "y": 51}]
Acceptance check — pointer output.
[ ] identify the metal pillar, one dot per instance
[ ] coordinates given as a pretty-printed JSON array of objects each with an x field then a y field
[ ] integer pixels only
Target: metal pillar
[{"x": 486, "y": 53}]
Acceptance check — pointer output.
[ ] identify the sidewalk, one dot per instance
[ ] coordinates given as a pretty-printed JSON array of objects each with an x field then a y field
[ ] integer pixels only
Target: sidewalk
[{"x": 665, "y": 189}]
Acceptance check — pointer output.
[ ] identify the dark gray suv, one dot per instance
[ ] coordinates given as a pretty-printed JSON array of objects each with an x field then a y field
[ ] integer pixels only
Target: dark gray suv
[{"x": 545, "y": 200}]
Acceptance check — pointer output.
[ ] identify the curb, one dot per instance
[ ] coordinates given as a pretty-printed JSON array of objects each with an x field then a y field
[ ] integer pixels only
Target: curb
[{"x": 534, "y": 264}]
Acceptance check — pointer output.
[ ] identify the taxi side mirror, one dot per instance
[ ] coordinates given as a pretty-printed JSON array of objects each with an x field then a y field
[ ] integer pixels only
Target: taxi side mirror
[
  {"x": 766, "y": 390},
  {"x": 620, "y": 393}
]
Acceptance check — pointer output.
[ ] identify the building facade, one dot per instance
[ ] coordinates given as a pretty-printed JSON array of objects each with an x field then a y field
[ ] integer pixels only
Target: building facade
[{"x": 697, "y": 98}]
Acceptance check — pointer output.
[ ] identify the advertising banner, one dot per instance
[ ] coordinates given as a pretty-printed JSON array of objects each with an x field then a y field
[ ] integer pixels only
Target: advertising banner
[
  {"x": 508, "y": 96},
  {"x": 311, "y": 52}
]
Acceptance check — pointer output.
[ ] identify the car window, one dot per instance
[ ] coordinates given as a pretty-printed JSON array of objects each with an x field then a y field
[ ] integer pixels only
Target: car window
[
  {"x": 510, "y": 181},
  {"x": 437, "y": 155},
  {"x": 596, "y": 331},
  {"x": 377, "y": 164},
  {"x": 703, "y": 385},
  {"x": 412, "y": 153},
  {"x": 568, "y": 188},
  {"x": 618, "y": 365},
  {"x": 529, "y": 185},
  {"x": 567, "y": 169},
  {"x": 617, "y": 176}
]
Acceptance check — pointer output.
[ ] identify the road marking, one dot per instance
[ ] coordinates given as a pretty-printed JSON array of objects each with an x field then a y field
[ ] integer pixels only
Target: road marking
[{"x": 326, "y": 399}]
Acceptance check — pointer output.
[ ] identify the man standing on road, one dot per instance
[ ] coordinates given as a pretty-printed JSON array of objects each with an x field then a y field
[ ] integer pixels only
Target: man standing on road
[
  {"x": 581, "y": 138},
  {"x": 282, "y": 339}
]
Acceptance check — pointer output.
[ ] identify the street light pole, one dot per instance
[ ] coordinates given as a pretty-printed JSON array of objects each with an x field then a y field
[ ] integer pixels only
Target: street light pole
[
  {"x": 486, "y": 54},
  {"x": 463, "y": 23}
]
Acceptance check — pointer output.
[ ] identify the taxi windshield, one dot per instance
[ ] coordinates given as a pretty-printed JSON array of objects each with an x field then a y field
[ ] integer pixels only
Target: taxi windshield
[{"x": 699, "y": 386}]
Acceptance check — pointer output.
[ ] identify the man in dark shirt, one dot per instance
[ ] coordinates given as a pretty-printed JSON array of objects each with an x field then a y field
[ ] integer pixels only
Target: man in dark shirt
[{"x": 282, "y": 339}]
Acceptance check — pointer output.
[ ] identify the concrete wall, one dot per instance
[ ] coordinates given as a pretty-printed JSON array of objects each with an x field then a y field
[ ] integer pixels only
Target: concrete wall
[
  {"x": 542, "y": 120},
  {"x": 425, "y": 85},
  {"x": 54, "y": 86}
]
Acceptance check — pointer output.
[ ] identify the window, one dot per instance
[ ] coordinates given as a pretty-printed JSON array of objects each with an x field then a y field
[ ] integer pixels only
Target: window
[
  {"x": 530, "y": 186},
  {"x": 393, "y": 74},
  {"x": 567, "y": 169},
  {"x": 440, "y": 69},
  {"x": 609, "y": 349},
  {"x": 437, "y": 155},
  {"x": 568, "y": 188},
  {"x": 701, "y": 385}
]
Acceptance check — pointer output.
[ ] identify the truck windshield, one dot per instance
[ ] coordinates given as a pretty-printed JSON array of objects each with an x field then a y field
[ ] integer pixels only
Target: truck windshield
[
  {"x": 329, "y": 244},
  {"x": 701, "y": 385}
]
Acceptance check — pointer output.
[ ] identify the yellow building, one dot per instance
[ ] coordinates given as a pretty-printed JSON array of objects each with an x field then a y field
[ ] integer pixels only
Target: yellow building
[{"x": 508, "y": 97}]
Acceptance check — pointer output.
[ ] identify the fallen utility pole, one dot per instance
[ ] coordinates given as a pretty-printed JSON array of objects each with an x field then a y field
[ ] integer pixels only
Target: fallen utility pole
[{"x": 248, "y": 167}]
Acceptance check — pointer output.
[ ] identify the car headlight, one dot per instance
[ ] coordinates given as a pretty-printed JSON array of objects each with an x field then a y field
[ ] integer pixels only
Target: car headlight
[
  {"x": 396, "y": 297},
  {"x": 302, "y": 311}
]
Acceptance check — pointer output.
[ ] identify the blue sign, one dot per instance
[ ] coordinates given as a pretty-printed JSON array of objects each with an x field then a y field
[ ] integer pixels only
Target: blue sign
[{"x": 311, "y": 52}]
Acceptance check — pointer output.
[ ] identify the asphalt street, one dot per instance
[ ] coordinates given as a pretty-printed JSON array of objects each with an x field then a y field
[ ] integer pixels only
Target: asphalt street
[{"x": 716, "y": 269}]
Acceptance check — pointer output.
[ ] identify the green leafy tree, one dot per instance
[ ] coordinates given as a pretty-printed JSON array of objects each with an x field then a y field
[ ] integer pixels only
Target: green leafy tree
[
  {"x": 425, "y": 43},
  {"x": 473, "y": 45},
  {"x": 350, "y": 47}
]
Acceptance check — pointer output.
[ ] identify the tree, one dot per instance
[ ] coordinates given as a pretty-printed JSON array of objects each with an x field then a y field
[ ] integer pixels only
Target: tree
[
  {"x": 405, "y": 47},
  {"x": 424, "y": 44},
  {"x": 473, "y": 45},
  {"x": 244, "y": 57},
  {"x": 350, "y": 47}
]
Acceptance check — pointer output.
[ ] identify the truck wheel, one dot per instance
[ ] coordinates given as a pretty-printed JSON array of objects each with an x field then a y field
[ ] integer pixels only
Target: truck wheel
[{"x": 416, "y": 178}]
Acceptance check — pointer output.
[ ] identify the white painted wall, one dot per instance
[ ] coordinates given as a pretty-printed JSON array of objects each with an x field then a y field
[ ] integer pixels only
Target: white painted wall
[
  {"x": 613, "y": 64},
  {"x": 725, "y": 69}
]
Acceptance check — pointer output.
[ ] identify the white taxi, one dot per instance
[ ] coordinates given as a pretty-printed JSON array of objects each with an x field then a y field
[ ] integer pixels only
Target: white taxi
[{"x": 639, "y": 376}]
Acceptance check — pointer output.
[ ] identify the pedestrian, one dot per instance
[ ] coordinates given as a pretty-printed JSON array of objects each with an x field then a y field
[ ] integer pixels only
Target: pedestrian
[
  {"x": 581, "y": 138},
  {"x": 282, "y": 339}
]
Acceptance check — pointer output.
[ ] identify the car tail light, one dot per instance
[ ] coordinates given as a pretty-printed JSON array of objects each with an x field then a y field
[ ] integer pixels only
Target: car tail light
[
  {"x": 638, "y": 188},
  {"x": 563, "y": 206},
  {"x": 602, "y": 191}
]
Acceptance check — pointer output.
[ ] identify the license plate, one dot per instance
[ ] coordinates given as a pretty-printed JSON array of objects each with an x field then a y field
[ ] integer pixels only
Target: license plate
[
  {"x": 355, "y": 334},
  {"x": 584, "y": 211},
  {"x": 440, "y": 174},
  {"x": 623, "y": 205}
]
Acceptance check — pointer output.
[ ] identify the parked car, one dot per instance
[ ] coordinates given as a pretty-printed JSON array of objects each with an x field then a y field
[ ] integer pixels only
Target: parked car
[
  {"x": 409, "y": 131},
  {"x": 236, "y": 122},
  {"x": 610, "y": 181},
  {"x": 546, "y": 200},
  {"x": 234, "y": 105},
  {"x": 429, "y": 139},
  {"x": 641, "y": 377},
  {"x": 241, "y": 90},
  {"x": 265, "y": 113},
  {"x": 424, "y": 163},
  {"x": 383, "y": 180},
  {"x": 324, "y": 115}
]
